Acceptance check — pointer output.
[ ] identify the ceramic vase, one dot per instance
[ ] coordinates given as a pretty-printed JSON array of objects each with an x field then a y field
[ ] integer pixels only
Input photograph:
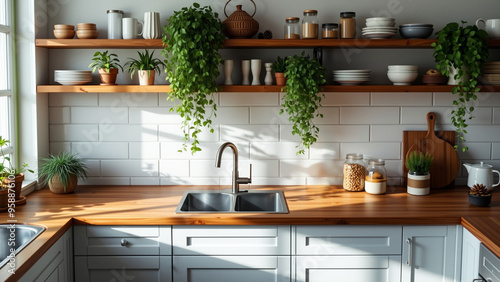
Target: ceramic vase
[
  {"x": 146, "y": 77},
  {"x": 256, "y": 65},
  {"x": 451, "y": 78},
  {"x": 245, "y": 70},
  {"x": 228, "y": 72},
  {"x": 268, "y": 80},
  {"x": 419, "y": 184},
  {"x": 151, "y": 28}
]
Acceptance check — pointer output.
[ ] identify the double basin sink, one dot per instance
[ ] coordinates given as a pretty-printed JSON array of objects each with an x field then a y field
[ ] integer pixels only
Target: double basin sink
[
  {"x": 16, "y": 237},
  {"x": 226, "y": 202}
]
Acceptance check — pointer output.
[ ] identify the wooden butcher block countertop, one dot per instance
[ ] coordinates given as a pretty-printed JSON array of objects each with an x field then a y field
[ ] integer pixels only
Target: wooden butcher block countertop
[{"x": 308, "y": 205}]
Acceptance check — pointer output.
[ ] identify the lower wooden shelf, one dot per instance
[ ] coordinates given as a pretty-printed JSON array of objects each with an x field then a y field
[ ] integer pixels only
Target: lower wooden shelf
[{"x": 251, "y": 88}]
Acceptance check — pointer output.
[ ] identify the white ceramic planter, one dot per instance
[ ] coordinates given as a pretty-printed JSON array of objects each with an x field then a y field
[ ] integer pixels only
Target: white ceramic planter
[
  {"x": 145, "y": 77},
  {"x": 419, "y": 184}
]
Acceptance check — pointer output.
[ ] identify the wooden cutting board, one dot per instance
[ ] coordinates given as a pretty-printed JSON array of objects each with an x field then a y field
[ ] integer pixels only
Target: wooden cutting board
[{"x": 443, "y": 166}]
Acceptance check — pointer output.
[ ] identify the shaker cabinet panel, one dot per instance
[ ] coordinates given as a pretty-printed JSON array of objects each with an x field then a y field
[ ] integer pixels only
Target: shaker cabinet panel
[{"x": 470, "y": 256}]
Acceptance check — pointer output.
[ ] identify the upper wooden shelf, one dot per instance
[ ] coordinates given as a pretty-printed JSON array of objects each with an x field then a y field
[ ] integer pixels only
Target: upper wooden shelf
[{"x": 249, "y": 88}]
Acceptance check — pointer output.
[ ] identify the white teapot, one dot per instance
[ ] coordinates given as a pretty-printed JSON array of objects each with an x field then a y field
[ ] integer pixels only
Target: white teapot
[{"x": 481, "y": 174}]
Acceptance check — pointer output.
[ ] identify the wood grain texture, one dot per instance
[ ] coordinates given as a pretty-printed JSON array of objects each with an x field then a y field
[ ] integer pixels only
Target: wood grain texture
[
  {"x": 486, "y": 229},
  {"x": 308, "y": 205},
  {"x": 446, "y": 163}
]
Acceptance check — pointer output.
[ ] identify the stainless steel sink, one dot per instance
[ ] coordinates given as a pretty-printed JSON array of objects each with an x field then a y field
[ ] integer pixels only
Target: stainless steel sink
[
  {"x": 252, "y": 201},
  {"x": 16, "y": 236}
]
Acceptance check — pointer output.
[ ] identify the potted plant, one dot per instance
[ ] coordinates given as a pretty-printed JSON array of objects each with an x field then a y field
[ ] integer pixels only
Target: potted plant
[
  {"x": 146, "y": 67},
  {"x": 11, "y": 176},
  {"x": 192, "y": 39},
  {"x": 279, "y": 68},
  {"x": 61, "y": 172},
  {"x": 108, "y": 65},
  {"x": 479, "y": 196},
  {"x": 419, "y": 178},
  {"x": 302, "y": 98},
  {"x": 460, "y": 52}
]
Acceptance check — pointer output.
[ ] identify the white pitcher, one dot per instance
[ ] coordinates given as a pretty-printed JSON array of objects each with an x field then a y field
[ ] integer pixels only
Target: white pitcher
[
  {"x": 152, "y": 28},
  {"x": 481, "y": 174}
]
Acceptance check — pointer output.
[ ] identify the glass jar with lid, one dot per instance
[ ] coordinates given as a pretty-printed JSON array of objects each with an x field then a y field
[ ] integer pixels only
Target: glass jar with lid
[
  {"x": 310, "y": 25},
  {"x": 376, "y": 177},
  {"x": 292, "y": 28},
  {"x": 330, "y": 30},
  {"x": 354, "y": 173},
  {"x": 347, "y": 25}
]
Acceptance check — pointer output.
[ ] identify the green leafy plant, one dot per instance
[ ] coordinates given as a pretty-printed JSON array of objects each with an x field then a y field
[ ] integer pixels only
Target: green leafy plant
[
  {"x": 303, "y": 98},
  {"x": 192, "y": 40},
  {"x": 418, "y": 162},
  {"x": 145, "y": 62},
  {"x": 279, "y": 65},
  {"x": 7, "y": 167},
  {"x": 464, "y": 48},
  {"x": 64, "y": 166},
  {"x": 103, "y": 60}
]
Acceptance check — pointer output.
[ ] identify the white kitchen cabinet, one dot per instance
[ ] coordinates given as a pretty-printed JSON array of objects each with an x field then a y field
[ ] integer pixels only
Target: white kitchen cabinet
[
  {"x": 431, "y": 253},
  {"x": 470, "y": 256},
  {"x": 56, "y": 265},
  {"x": 123, "y": 253}
]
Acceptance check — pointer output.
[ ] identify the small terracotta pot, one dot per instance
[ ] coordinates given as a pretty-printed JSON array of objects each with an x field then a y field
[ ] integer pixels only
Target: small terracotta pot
[
  {"x": 419, "y": 184},
  {"x": 18, "y": 184},
  {"x": 57, "y": 187},
  {"x": 4, "y": 198},
  {"x": 108, "y": 78},
  {"x": 144, "y": 79},
  {"x": 280, "y": 78}
]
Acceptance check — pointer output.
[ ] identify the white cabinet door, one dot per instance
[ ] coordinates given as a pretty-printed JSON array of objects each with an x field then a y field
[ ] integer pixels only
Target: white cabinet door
[
  {"x": 123, "y": 268},
  {"x": 470, "y": 256},
  {"x": 231, "y": 268},
  {"x": 56, "y": 265},
  {"x": 431, "y": 253},
  {"x": 348, "y": 268}
]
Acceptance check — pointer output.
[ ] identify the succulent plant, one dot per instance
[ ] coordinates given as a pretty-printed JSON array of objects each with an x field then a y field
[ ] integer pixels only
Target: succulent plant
[
  {"x": 279, "y": 65},
  {"x": 479, "y": 190}
]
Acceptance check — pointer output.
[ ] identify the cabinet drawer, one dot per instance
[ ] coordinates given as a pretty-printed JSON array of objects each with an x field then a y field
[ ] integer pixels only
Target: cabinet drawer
[
  {"x": 231, "y": 240},
  {"x": 122, "y": 240},
  {"x": 348, "y": 240}
]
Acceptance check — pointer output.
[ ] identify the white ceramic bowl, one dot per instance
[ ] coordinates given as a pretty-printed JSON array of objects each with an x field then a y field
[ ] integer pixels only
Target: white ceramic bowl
[
  {"x": 402, "y": 78},
  {"x": 402, "y": 67},
  {"x": 380, "y": 22}
]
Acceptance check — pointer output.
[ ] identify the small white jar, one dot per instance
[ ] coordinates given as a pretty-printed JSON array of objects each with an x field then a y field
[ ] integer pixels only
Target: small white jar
[{"x": 376, "y": 177}]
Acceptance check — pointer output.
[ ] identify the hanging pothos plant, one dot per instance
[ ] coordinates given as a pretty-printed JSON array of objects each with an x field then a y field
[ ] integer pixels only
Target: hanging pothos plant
[
  {"x": 302, "y": 99},
  {"x": 465, "y": 49},
  {"x": 192, "y": 39}
]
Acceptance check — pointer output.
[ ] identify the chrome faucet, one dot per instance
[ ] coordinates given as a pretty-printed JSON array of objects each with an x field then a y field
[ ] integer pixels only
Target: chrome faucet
[{"x": 236, "y": 180}]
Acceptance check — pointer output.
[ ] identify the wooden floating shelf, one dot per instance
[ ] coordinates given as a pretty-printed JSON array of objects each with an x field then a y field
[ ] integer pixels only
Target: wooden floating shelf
[
  {"x": 249, "y": 88},
  {"x": 245, "y": 43}
]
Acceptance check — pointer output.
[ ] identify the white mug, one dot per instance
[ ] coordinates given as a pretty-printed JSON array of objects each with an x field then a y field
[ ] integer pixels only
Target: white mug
[
  {"x": 492, "y": 27},
  {"x": 152, "y": 28},
  {"x": 129, "y": 26}
]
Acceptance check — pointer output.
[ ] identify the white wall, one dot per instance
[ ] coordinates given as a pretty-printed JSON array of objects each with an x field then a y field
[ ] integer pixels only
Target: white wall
[{"x": 132, "y": 138}]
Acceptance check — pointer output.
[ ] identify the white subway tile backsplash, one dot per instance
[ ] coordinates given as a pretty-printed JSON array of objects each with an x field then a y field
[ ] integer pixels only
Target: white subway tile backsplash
[
  {"x": 89, "y": 115},
  {"x": 131, "y": 133},
  {"x": 249, "y": 99},
  {"x": 372, "y": 150},
  {"x": 418, "y": 115},
  {"x": 129, "y": 168},
  {"x": 59, "y": 115},
  {"x": 485, "y": 99},
  {"x": 232, "y": 115},
  {"x": 164, "y": 102},
  {"x": 331, "y": 115},
  {"x": 56, "y": 148},
  {"x": 443, "y": 99},
  {"x": 268, "y": 115},
  {"x": 69, "y": 132},
  {"x": 118, "y": 100},
  {"x": 476, "y": 151},
  {"x": 401, "y": 99},
  {"x": 346, "y": 99},
  {"x": 495, "y": 151},
  {"x": 278, "y": 181},
  {"x": 174, "y": 168},
  {"x": 274, "y": 151},
  {"x": 173, "y": 133},
  {"x": 325, "y": 151},
  {"x": 343, "y": 133},
  {"x": 100, "y": 150},
  {"x": 150, "y": 181},
  {"x": 483, "y": 133},
  {"x": 170, "y": 150},
  {"x": 249, "y": 133},
  {"x": 157, "y": 115},
  {"x": 311, "y": 168},
  {"x": 496, "y": 115},
  {"x": 372, "y": 115},
  {"x": 144, "y": 150},
  {"x": 260, "y": 168},
  {"x": 72, "y": 99},
  {"x": 189, "y": 181}
]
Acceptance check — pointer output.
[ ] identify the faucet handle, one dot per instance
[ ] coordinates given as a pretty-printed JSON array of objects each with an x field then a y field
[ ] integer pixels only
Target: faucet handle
[{"x": 245, "y": 180}]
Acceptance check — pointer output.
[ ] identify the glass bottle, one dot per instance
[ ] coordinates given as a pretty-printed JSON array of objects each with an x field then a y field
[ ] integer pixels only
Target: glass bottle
[
  {"x": 347, "y": 25},
  {"x": 376, "y": 177},
  {"x": 310, "y": 25},
  {"x": 330, "y": 30},
  {"x": 292, "y": 28},
  {"x": 354, "y": 173}
]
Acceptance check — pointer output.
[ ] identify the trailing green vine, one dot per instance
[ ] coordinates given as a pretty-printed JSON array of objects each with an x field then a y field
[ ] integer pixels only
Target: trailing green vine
[
  {"x": 192, "y": 39},
  {"x": 303, "y": 98},
  {"x": 465, "y": 49}
]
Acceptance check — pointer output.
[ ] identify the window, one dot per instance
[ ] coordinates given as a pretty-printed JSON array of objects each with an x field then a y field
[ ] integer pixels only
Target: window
[{"x": 7, "y": 77}]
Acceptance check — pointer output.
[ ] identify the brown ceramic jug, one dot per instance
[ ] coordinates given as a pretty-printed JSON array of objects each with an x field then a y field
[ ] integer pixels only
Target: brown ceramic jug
[{"x": 240, "y": 24}]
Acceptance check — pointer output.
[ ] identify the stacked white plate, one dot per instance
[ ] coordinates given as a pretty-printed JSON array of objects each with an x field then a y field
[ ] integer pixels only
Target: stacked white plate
[
  {"x": 379, "y": 28},
  {"x": 351, "y": 77},
  {"x": 491, "y": 72},
  {"x": 72, "y": 77}
]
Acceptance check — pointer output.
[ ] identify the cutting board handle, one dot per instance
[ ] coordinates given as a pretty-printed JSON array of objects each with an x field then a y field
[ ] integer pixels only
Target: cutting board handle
[{"x": 431, "y": 122}]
